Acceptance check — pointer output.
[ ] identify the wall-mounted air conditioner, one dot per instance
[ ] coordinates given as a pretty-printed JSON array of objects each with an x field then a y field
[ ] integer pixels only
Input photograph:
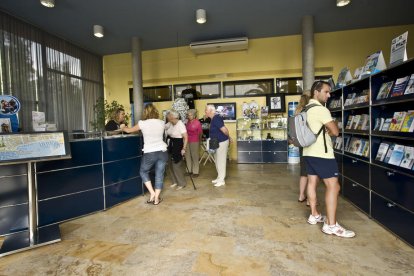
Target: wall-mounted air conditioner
[{"x": 220, "y": 45}]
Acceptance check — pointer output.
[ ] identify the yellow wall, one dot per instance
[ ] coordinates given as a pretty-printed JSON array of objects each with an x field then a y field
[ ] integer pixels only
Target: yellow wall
[{"x": 266, "y": 58}]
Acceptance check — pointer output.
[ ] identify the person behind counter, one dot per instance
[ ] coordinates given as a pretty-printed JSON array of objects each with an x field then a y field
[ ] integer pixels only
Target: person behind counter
[
  {"x": 118, "y": 118},
  {"x": 177, "y": 143},
  {"x": 155, "y": 150}
]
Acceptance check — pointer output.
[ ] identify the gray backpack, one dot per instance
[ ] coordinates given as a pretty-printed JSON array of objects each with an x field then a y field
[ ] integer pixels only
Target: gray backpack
[{"x": 299, "y": 132}]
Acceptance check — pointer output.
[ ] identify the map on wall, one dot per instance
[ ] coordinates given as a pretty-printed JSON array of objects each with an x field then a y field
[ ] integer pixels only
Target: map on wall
[{"x": 16, "y": 147}]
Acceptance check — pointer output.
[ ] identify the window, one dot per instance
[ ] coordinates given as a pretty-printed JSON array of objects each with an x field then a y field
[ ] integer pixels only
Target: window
[
  {"x": 204, "y": 90},
  {"x": 156, "y": 93},
  {"x": 248, "y": 88},
  {"x": 294, "y": 85},
  {"x": 48, "y": 74}
]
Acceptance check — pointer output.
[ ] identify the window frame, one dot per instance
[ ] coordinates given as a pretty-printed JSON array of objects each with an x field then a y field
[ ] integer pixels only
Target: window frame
[
  {"x": 272, "y": 81},
  {"x": 155, "y": 87},
  {"x": 215, "y": 96},
  {"x": 323, "y": 77}
]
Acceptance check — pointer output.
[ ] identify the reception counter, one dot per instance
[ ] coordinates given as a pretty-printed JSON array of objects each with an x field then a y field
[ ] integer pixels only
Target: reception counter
[{"x": 102, "y": 172}]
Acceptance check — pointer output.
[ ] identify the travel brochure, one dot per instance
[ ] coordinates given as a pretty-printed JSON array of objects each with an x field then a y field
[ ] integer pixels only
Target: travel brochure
[
  {"x": 335, "y": 103},
  {"x": 358, "y": 122},
  {"x": 338, "y": 142},
  {"x": 354, "y": 145},
  {"x": 357, "y": 98},
  {"x": 373, "y": 64},
  {"x": 338, "y": 122},
  {"x": 397, "y": 155},
  {"x": 401, "y": 121},
  {"x": 399, "y": 49},
  {"x": 399, "y": 87},
  {"x": 344, "y": 78}
]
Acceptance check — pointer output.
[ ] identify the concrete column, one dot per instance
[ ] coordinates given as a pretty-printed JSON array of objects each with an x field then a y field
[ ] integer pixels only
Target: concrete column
[
  {"x": 308, "y": 52},
  {"x": 138, "y": 92}
]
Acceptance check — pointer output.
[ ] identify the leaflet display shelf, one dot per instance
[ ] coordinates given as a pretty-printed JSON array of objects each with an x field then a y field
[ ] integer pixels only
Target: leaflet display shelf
[
  {"x": 356, "y": 106},
  {"x": 393, "y": 135},
  {"x": 382, "y": 189},
  {"x": 356, "y": 132}
]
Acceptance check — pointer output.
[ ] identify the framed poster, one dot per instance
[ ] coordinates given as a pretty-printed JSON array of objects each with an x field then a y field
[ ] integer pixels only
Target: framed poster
[{"x": 276, "y": 103}]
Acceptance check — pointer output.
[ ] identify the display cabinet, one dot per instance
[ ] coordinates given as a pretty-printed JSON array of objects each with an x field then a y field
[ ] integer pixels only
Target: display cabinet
[{"x": 262, "y": 140}]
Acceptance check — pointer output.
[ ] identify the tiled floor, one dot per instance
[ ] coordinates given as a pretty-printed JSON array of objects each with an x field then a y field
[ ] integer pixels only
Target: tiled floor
[{"x": 252, "y": 226}]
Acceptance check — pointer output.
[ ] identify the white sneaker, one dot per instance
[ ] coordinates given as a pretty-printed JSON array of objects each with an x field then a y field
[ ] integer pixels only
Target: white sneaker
[
  {"x": 315, "y": 219},
  {"x": 173, "y": 185},
  {"x": 214, "y": 181},
  {"x": 218, "y": 184},
  {"x": 180, "y": 188},
  {"x": 337, "y": 230}
]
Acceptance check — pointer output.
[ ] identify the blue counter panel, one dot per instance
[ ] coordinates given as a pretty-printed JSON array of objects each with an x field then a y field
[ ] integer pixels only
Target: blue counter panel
[
  {"x": 121, "y": 170},
  {"x": 116, "y": 149},
  {"x": 13, "y": 190},
  {"x": 120, "y": 192},
  {"x": 86, "y": 152},
  {"x": 14, "y": 219},
  {"x": 17, "y": 169},
  {"x": 68, "y": 181},
  {"x": 69, "y": 207}
]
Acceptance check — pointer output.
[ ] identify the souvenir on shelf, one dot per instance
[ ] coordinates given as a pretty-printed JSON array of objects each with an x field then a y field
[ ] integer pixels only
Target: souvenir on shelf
[
  {"x": 250, "y": 110},
  {"x": 264, "y": 111}
]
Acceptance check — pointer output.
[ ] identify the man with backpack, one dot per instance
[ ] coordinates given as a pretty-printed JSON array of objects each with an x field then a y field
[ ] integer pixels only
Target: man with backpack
[{"x": 320, "y": 160}]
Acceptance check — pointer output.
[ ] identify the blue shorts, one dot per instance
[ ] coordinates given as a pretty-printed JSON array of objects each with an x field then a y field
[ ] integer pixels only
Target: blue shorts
[{"x": 322, "y": 167}]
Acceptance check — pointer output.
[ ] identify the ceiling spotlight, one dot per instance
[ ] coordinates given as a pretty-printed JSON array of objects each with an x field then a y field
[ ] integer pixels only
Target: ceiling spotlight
[
  {"x": 201, "y": 16},
  {"x": 342, "y": 3},
  {"x": 98, "y": 31},
  {"x": 48, "y": 3}
]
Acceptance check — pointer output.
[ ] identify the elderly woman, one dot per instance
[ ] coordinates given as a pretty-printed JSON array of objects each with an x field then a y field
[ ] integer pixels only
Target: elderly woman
[
  {"x": 177, "y": 143},
  {"x": 220, "y": 132},
  {"x": 192, "y": 152},
  {"x": 155, "y": 151}
]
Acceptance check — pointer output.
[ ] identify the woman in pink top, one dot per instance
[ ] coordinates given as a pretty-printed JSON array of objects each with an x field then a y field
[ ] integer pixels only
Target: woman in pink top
[{"x": 194, "y": 132}]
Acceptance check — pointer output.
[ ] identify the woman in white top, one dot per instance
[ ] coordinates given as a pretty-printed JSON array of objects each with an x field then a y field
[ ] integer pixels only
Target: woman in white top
[
  {"x": 155, "y": 151},
  {"x": 177, "y": 143}
]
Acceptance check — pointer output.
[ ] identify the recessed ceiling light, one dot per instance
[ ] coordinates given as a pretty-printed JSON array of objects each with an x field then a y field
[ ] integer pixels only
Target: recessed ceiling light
[
  {"x": 48, "y": 3},
  {"x": 342, "y": 3},
  {"x": 201, "y": 17},
  {"x": 98, "y": 31}
]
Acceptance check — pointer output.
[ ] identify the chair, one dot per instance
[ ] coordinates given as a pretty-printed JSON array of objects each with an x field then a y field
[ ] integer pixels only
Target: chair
[{"x": 207, "y": 155}]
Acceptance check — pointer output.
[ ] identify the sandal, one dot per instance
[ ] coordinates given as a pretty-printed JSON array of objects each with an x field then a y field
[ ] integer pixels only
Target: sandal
[
  {"x": 159, "y": 201},
  {"x": 149, "y": 201},
  {"x": 303, "y": 200}
]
